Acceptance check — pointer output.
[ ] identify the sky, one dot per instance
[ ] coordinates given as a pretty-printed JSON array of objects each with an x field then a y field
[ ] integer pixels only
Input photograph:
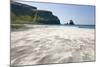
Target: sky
[{"x": 80, "y": 14}]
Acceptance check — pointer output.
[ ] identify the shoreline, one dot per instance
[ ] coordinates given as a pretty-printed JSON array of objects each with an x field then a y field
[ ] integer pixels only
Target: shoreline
[{"x": 26, "y": 26}]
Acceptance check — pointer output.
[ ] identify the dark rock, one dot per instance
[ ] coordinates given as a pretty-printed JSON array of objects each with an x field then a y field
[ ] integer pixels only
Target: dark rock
[
  {"x": 21, "y": 9},
  {"x": 47, "y": 17},
  {"x": 71, "y": 22}
]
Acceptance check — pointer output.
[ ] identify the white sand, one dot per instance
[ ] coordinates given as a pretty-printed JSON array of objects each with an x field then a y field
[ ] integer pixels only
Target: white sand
[{"x": 52, "y": 44}]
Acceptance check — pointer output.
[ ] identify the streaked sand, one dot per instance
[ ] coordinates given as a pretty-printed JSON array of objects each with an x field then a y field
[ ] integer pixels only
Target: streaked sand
[{"x": 52, "y": 44}]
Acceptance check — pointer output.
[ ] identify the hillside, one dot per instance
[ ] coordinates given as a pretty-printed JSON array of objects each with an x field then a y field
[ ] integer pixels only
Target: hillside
[{"x": 25, "y": 14}]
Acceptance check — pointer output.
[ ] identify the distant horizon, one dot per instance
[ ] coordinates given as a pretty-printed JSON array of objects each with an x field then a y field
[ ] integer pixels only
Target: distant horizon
[{"x": 80, "y": 14}]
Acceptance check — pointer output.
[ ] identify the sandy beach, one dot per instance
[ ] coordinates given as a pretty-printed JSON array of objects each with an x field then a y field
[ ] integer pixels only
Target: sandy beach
[{"x": 52, "y": 44}]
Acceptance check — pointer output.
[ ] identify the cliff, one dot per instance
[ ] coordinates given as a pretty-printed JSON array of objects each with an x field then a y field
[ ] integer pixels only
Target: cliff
[
  {"x": 21, "y": 9},
  {"x": 22, "y": 13}
]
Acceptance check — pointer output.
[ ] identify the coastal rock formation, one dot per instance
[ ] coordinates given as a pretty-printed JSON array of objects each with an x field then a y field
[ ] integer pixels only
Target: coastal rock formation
[
  {"x": 21, "y": 9},
  {"x": 46, "y": 17},
  {"x": 71, "y": 22},
  {"x": 22, "y": 13}
]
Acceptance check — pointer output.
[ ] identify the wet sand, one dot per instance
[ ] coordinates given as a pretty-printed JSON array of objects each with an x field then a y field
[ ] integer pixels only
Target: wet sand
[{"x": 52, "y": 44}]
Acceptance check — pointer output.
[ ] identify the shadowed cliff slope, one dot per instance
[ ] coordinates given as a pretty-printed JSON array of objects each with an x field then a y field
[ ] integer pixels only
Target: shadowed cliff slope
[{"x": 22, "y": 13}]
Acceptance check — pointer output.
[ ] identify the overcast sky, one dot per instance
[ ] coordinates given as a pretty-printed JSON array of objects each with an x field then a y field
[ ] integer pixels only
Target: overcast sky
[{"x": 80, "y": 14}]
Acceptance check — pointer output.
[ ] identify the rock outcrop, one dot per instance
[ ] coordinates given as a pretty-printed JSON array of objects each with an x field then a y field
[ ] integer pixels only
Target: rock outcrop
[
  {"x": 21, "y": 9},
  {"x": 22, "y": 13},
  {"x": 71, "y": 22},
  {"x": 46, "y": 17}
]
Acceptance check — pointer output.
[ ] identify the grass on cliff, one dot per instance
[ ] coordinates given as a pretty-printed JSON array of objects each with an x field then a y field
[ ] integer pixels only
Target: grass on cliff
[
  {"x": 25, "y": 19},
  {"x": 16, "y": 26}
]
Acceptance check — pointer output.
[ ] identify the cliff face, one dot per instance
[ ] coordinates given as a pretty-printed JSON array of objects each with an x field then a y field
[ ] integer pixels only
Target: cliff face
[
  {"x": 21, "y": 9},
  {"x": 22, "y": 13},
  {"x": 46, "y": 17}
]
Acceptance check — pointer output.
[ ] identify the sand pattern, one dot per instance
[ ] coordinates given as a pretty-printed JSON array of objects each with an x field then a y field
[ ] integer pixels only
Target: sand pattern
[{"x": 47, "y": 44}]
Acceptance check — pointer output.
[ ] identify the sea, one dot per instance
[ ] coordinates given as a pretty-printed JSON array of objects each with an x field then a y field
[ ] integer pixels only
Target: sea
[
  {"x": 74, "y": 26},
  {"x": 61, "y": 26},
  {"x": 81, "y": 26}
]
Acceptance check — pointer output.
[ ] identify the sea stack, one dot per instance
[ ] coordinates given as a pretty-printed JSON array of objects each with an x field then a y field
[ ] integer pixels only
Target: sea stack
[{"x": 71, "y": 22}]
